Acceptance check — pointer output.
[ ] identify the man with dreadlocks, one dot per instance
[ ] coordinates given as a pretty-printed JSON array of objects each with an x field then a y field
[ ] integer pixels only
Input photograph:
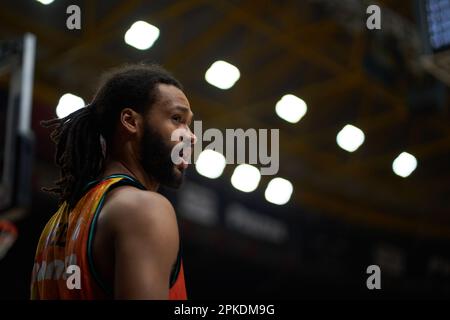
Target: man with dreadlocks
[{"x": 112, "y": 224}]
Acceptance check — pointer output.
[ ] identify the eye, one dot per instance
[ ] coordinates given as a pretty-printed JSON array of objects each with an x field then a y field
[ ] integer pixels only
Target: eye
[{"x": 177, "y": 118}]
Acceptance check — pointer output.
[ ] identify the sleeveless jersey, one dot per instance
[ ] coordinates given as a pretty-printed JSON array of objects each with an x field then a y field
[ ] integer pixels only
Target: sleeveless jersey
[{"x": 66, "y": 241}]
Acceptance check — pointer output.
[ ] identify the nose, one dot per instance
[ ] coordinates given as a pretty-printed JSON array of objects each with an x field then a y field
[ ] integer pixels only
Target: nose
[
  {"x": 191, "y": 136},
  {"x": 186, "y": 136}
]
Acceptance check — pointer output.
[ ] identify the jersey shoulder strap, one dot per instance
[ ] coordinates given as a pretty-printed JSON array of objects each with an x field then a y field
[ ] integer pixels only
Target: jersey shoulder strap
[{"x": 122, "y": 180}]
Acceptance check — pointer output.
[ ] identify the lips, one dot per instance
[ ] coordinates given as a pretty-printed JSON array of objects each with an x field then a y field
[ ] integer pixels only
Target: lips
[
  {"x": 183, "y": 164},
  {"x": 184, "y": 158}
]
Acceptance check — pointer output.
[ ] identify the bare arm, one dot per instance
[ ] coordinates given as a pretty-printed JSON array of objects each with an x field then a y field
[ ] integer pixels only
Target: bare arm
[{"x": 145, "y": 237}]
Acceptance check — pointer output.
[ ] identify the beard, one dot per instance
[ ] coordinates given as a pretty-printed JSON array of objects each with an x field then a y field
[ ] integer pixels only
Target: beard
[{"x": 156, "y": 159}]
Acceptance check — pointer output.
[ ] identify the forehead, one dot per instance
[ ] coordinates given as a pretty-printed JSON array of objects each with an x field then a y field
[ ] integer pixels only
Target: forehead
[{"x": 169, "y": 96}]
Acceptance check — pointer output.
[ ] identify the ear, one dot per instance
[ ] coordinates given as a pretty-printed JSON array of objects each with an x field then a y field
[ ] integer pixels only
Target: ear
[{"x": 131, "y": 121}]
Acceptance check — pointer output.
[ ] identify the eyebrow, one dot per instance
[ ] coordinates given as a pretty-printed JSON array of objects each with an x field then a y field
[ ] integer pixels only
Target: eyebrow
[{"x": 184, "y": 109}]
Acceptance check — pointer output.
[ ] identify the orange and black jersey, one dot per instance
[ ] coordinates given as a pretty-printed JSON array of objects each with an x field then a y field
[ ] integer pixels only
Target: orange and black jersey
[{"x": 67, "y": 240}]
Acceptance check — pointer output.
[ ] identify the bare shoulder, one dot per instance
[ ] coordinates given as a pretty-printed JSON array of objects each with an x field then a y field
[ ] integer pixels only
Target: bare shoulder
[
  {"x": 139, "y": 230},
  {"x": 129, "y": 209}
]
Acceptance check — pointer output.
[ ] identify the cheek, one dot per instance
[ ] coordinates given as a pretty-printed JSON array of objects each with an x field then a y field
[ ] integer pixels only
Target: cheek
[
  {"x": 174, "y": 129},
  {"x": 167, "y": 131},
  {"x": 163, "y": 127}
]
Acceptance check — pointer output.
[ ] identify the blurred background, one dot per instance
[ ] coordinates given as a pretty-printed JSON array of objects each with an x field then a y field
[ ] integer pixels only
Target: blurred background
[{"x": 364, "y": 136}]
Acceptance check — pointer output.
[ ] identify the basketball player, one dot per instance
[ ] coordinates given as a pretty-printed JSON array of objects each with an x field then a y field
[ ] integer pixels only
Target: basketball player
[{"x": 113, "y": 155}]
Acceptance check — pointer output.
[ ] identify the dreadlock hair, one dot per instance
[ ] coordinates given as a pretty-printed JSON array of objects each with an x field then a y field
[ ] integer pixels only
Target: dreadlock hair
[{"x": 80, "y": 151}]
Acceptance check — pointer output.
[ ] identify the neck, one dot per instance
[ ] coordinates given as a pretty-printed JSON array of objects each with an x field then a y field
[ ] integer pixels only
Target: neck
[{"x": 118, "y": 166}]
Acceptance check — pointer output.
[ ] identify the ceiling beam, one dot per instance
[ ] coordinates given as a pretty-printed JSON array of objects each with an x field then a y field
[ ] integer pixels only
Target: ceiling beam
[{"x": 278, "y": 37}]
